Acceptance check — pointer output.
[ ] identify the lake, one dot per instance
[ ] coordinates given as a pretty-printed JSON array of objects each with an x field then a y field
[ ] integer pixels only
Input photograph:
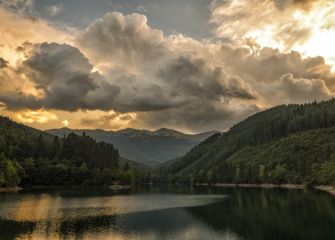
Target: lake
[{"x": 169, "y": 213}]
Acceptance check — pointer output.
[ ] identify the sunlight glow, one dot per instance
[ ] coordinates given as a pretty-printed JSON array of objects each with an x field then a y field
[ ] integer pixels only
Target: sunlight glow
[
  {"x": 65, "y": 123},
  {"x": 319, "y": 21},
  {"x": 40, "y": 116}
]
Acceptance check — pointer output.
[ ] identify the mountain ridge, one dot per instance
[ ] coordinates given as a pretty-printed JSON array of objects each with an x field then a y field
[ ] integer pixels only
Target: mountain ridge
[{"x": 146, "y": 147}]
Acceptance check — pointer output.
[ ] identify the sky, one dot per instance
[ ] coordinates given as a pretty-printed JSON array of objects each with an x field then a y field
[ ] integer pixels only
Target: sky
[{"x": 190, "y": 65}]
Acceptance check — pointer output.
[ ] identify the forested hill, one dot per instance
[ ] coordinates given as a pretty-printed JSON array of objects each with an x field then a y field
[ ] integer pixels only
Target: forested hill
[
  {"x": 32, "y": 157},
  {"x": 284, "y": 144}
]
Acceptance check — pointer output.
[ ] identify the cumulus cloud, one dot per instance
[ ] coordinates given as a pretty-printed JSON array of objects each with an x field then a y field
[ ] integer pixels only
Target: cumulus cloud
[
  {"x": 153, "y": 73},
  {"x": 123, "y": 41},
  {"x": 268, "y": 64},
  {"x": 298, "y": 90},
  {"x": 267, "y": 70},
  {"x": 65, "y": 80}
]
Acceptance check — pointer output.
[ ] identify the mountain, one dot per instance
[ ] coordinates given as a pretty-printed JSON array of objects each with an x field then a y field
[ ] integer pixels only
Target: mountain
[
  {"x": 147, "y": 147},
  {"x": 285, "y": 144}
]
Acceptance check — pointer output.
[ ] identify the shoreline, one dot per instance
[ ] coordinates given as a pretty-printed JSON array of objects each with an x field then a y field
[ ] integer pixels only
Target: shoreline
[
  {"x": 45, "y": 187},
  {"x": 324, "y": 188},
  {"x": 262, "y": 185},
  {"x": 111, "y": 187}
]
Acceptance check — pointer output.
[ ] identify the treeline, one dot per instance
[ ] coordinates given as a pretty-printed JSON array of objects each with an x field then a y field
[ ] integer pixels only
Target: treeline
[
  {"x": 285, "y": 144},
  {"x": 32, "y": 157}
]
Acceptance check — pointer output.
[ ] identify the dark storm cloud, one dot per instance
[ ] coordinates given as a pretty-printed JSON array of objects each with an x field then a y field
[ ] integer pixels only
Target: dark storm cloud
[
  {"x": 182, "y": 81},
  {"x": 66, "y": 80},
  {"x": 151, "y": 97},
  {"x": 190, "y": 76}
]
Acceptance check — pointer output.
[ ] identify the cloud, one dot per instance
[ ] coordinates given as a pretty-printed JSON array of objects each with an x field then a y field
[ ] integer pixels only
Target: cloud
[
  {"x": 303, "y": 25},
  {"x": 3, "y": 63},
  {"x": 36, "y": 116},
  {"x": 298, "y": 90},
  {"x": 268, "y": 64},
  {"x": 54, "y": 10},
  {"x": 141, "y": 9},
  {"x": 123, "y": 41},
  {"x": 110, "y": 120},
  {"x": 267, "y": 71},
  {"x": 21, "y": 7},
  {"x": 16, "y": 30},
  {"x": 145, "y": 65},
  {"x": 194, "y": 77},
  {"x": 65, "y": 80},
  {"x": 65, "y": 123},
  {"x": 281, "y": 20},
  {"x": 120, "y": 72}
]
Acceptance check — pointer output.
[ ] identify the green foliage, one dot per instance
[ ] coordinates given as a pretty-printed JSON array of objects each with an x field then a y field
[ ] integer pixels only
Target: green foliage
[
  {"x": 32, "y": 157},
  {"x": 2, "y": 179},
  {"x": 285, "y": 144},
  {"x": 10, "y": 172}
]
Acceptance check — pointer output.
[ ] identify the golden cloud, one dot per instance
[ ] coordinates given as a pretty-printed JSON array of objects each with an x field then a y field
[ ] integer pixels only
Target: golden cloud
[
  {"x": 40, "y": 116},
  {"x": 306, "y": 26}
]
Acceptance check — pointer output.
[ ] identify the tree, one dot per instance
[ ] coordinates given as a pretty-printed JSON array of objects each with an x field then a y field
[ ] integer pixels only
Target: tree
[
  {"x": 55, "y": 147},
  {"x": 278, "y": 174},
  {"x": 10, "y": 175},
  {"x": 2, "y": 179}
]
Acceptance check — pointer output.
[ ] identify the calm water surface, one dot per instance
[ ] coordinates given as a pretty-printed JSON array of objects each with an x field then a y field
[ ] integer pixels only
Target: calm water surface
[{"x": 207, "y": 214}]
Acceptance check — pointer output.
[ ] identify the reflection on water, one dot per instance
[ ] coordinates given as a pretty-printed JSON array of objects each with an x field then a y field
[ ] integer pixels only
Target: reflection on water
[{"x": 213, "y": 214}]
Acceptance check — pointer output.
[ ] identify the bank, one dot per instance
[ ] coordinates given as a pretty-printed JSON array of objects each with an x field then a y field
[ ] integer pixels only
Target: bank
[{"x": 325, "y": 188}]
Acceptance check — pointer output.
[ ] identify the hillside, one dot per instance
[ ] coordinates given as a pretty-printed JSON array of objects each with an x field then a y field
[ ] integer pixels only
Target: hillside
[
  {"x": 32, "y": 157},
  {"x": 284, "y": 144},
  {"x": 147, "y": 147}
]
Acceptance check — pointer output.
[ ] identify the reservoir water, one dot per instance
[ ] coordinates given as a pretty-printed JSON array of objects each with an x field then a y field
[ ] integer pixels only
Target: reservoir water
[{"x": 168, "y": 213}]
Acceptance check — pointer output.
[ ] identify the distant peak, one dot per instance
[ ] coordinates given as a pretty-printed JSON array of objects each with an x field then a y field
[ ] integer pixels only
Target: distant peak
[
  {"x": 165, "y": 130},
  {"x": 65, "y": 128},
  {"x": 168, "y": 132}
]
